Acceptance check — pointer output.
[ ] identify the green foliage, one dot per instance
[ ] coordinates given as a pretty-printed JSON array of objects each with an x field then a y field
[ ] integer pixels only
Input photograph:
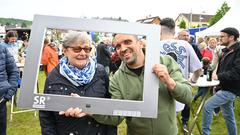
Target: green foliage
[
  {"x": 23, "y": 25},
  {"x": 182, "y": 25},
  {"x": 219, "y": 14},
  {"x": 12, "y": 21},
  {"x": 96, "y": 37}
]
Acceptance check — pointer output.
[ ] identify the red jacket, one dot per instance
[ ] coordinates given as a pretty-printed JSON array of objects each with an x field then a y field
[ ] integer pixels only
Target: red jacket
[
  {"x": 207, "y": 52},
  {"x": 49, "y": 59}
]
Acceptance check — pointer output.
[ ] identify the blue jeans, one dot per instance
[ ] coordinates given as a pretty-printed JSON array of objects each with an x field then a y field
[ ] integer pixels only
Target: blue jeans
[
  {"x": 185, "y": 114},
  {"x": 225, "y": 100},
  {"x": 3, "y": 118},
  {"x": 201, "y": 92}
]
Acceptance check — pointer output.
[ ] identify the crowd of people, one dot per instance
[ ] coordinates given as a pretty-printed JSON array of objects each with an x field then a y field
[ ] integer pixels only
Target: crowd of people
[{"x": 115, "y": 69}]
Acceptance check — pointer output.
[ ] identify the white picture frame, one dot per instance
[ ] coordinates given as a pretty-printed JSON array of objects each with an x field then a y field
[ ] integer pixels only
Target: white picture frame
[{"x": 29, "y": 98}]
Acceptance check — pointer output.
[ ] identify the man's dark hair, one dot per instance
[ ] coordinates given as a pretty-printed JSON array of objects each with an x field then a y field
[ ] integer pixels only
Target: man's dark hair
[
  {"x": 191, "y": 39},
  {"x": 205, "y": 61},
  {"x": 168, "y": 22},
  {"x": 25, "y": 36},
  {"x": 173, "y": 55},
  {"x": 167, "y": 26}
]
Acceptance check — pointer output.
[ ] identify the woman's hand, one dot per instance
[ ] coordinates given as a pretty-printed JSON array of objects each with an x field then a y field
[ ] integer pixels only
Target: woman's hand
[{"x": 74, "y": 112}]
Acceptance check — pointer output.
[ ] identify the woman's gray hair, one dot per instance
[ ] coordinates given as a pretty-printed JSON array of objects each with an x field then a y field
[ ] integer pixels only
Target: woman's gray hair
[{"x": 76, "y": 37}]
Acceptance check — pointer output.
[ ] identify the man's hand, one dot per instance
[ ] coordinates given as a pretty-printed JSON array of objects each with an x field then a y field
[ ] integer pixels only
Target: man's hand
[
  {"x": 163, "y": 75},
  {"x": 214, "y": 77}
]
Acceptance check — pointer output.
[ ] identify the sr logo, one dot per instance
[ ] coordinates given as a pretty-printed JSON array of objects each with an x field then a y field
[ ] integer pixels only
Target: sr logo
[{"x": 39, "y": 102}]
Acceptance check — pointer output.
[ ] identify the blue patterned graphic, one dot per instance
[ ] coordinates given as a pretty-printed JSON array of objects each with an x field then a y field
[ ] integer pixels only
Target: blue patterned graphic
[
  {"x": 78, "y": 76},
  {"x": 180, "y": 51}
]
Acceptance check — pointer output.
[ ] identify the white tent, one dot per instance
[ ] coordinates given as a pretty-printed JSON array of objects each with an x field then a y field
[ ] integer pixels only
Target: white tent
[{"x": 230, "y": 19}]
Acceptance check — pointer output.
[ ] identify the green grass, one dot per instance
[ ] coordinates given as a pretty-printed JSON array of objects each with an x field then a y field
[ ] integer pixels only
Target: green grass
[
  {"x": 27, "y": 124},
  {"x": 218, "y": 125}
]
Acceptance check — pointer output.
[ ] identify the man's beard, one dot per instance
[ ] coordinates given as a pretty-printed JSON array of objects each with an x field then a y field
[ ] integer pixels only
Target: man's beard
[{"x": 132, "y": 60}]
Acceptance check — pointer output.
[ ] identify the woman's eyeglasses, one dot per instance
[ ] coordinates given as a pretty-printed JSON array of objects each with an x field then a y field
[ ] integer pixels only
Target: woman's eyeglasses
[{"x": 79, "y": 49}]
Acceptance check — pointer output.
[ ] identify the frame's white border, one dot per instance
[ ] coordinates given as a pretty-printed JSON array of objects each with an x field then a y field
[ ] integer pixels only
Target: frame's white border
[{"x": 30, "y": 99}]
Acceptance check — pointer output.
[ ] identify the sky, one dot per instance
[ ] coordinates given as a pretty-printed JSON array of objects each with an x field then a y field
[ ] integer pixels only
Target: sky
[{"x": 131, "y": 10}]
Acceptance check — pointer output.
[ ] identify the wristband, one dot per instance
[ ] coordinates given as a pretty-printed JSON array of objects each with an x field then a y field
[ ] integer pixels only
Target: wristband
[{"x": 192, "y": 81}]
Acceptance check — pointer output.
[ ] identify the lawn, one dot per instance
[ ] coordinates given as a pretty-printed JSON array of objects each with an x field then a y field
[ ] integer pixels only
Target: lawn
[{"x": 27, "y": 124}]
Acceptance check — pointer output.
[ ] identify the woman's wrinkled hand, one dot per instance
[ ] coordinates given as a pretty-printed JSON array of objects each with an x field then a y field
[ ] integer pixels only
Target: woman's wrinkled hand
[{"x": 74, "y": 112}]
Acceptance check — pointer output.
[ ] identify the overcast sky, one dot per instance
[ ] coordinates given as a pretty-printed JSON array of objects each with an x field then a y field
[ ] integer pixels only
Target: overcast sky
[{"x": 126, "y": 9}]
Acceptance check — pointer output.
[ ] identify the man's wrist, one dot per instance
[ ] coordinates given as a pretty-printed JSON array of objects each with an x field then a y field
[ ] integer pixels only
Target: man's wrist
[{"x": 171, "y": 84}]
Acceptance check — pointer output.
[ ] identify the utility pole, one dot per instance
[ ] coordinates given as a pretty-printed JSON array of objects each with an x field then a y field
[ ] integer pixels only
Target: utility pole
[
  {"x": 190, "y": 25},
  {"x": 200, "y": 19}
]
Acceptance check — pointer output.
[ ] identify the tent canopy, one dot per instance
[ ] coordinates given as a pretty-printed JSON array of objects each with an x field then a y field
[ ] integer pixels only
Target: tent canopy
[{"x": 228, "y": 20}]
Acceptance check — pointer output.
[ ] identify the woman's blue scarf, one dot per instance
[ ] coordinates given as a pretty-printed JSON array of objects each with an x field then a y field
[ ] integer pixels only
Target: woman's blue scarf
[{"x": 75, "y": 75}]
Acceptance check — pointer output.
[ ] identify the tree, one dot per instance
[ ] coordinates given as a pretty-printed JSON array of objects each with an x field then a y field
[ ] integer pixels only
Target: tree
[
  {"x": 24, "y": 25},
  {"x": 96, "y": 37},
  {"x": 182, "y": 25},
  {"x": 219, "y": 14},
  {"x": 7, "y": 23}
]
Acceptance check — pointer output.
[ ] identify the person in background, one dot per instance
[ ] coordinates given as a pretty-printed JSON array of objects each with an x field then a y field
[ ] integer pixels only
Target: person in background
[
  {"x": 115, "y": 63},
  {"x": 228, "y": 74},
  {"x": 49, "y": 56},
  {"x": 127, "y": 83},
  {"x": 208, "y": 54},
  {"x": 10, "y": 43},
  {"x": 213, "y": 66},
  {"x": 59, "y": 49},
  {"x": 115, "y": 59},
  {"x": 208, "y": 51},
  {"x": 203, "y": 90},
  {"x": 103, "y": 54},
  {"x": 201, "y": 43},
  {"x": 1, "y": 38},
  {"x": 77, "y": 73},
  {"x": 195, "y": 47},
  {"x": 186, "y": 56},
  {"x": 8, "y": 84},
  {"x": 23, "y": 49}
]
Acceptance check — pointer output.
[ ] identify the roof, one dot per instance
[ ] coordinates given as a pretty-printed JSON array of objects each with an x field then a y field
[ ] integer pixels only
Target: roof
[
  {"x": 19, "y": 29},
  {"x": 115, "y": 19},
  {"x": 196, "y": 17},
  {"x": 149, "y": 20}
]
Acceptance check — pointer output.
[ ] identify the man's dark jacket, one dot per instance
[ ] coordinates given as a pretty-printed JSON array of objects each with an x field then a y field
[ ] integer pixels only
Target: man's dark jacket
[
  {"x": 103, "y": 55},
  {"x": 229, "y": 69}
]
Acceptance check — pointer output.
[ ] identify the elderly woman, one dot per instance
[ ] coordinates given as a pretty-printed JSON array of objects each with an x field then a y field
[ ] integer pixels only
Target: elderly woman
[
  {"x": 208, "y": 51},
  {"x": 76, "y": 73}
]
